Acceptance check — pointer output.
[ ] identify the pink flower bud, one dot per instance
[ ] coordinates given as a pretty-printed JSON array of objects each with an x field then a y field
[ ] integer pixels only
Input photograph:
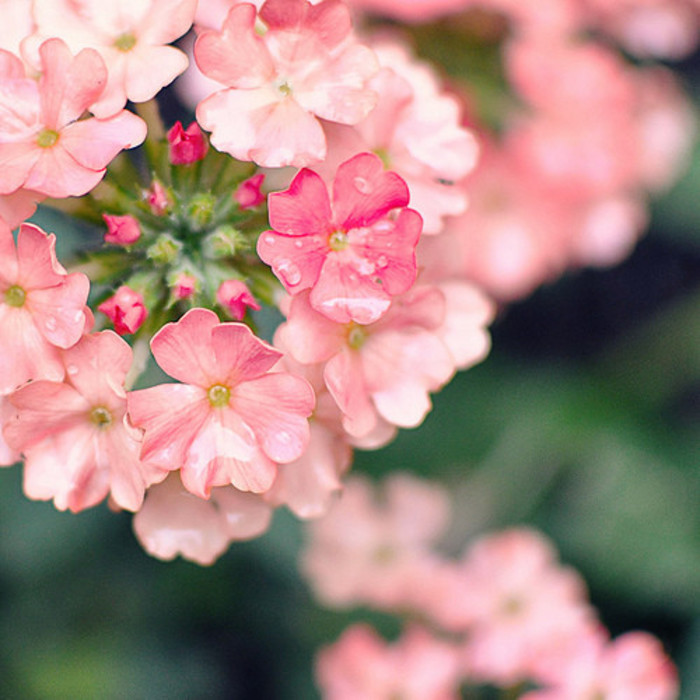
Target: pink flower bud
[
  {"x": 185, "y": 286},
  {"x": 187, "y": 146},
  {"x": 121, "y": 230},
  {"x": 248, "y": 193},
  {"x": 236, "y": 298},
  {"x": 157, "y": 198},
  {"x": 125, "y": 309}
]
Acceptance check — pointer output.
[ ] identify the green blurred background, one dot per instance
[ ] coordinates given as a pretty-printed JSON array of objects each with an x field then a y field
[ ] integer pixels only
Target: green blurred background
[{"x": 584, "y": 421}]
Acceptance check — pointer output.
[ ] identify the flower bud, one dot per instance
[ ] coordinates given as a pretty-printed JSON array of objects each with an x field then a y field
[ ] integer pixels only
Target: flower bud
[
  {"x": 236, "y": 298},
  {"x": 121, "y": 230},
  {"x": 186, "y": 146},
  {"x": 184, "y": 286},
  {"x": 157, "y": 198},
  {"x": 248, "y": 194},
  {"x": 125, "y": 309}
]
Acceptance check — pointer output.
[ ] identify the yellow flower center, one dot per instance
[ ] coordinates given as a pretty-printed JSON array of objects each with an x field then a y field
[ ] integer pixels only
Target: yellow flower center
[
  {"x": 15, "y": 296},
  {"x": 219, "y": 395},
  {"x": 47, "y": 138}
]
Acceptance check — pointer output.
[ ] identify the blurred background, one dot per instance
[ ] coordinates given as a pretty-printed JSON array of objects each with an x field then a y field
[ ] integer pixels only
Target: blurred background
[{"x": 584, "y": 421}]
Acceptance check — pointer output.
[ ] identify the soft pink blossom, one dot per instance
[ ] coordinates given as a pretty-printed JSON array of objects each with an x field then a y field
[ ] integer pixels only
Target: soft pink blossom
[
  {"x": 232, "y": 419},
  {"x": 304, "y": 65},
  {"x": 186, "y": 146},
  {"x": 125, "y": 309},
  {"x": 234, "y": 296},
  {"x": 17, "y": 23},
  {"x": 42, "y": 308},
  {"x": 362, "y": 666},
  {"x": 355, "y": 251},
  {"x": 77, "y": 446},
  {"x": 367, "y": 551},
  {"x": 122, "y": 230},
  {"x": 44, "y": 145},
  {"x": 173, "y": 521},
  {"x": 131, "y": 38},
  {"x": 8, "y": 456}
]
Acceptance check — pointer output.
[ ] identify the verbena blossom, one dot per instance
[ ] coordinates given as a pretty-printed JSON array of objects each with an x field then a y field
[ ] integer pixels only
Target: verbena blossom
[
  {"x": 130, "y": 37},
  {"x": 77, "y": 446},
  {"x": 42, "y": 307},
  {"x": 355, "y": 250},
  {"x": 232, "y": 419},
  {"x": 44, "y": 145},
  {"x": 302, "y": 66}
]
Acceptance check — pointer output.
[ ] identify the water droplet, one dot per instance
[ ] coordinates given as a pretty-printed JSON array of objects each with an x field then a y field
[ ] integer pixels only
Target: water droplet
[
  {"x": 382, "y": 261},
  {"x": 51, "y": 324},
  {"x": 288, "y": 272},
  {"x": 269, "y": 240},
  {"x": 72, "y": 370},
  {"x": 298, "y": 244},
  {"x": 78, "y": 316},
  {"x": 361, "y": 185}
]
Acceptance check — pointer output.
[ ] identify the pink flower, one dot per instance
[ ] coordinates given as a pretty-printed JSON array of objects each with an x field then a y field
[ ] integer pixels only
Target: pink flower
[
  {"x": 248, "y": 194},
  {"x": 186, "y": 146},
  {"x": 361, "y": 666},
  {"x": 130, "y": 37},
  {"x": 233, "y": 419},
  {"x": 8, "y": 456},
  {"x": 367, "y": 551},
  {"x": 42, "y": 308},
  {"x": 172, "y": 521},
  {"x": 76, "y": 445},
  {"x": 44, "y": 146},
  {"x": 306, "y": 65},
  {"x": 125, "y": 309},
  {"x": 353, "y": 251},
  {"x": 236, "y": 298},
  {"x": 121, "y": 230}
]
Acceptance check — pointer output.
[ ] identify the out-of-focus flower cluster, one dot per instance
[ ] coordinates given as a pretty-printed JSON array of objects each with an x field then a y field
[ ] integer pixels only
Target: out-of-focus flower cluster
[
  {"x": 348, "y": 186},
  {"x": 505, "y": 614}
]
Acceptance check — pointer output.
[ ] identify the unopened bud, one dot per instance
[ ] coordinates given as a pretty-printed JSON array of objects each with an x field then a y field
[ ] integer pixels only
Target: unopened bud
[
  {"x": 186, "y": 146},
  {"x": 236, "y": 298},
  {"x": 121, "y": 230},
  {"x": 125, "y": 309}
]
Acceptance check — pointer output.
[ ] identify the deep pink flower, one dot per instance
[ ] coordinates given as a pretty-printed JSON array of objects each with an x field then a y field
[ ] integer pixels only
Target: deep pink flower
[
  {"x": 248, "y": 194},
  {"x": 304, "y": 66},
  {"x": 125, "y": 309},
  {"x": 42, "y": 308},
  {"x": 121, "y": 230},
  {"x": 233, "y": 419},
  {"x": 76, "y": 445},
  {"x": 44, "y": 145},
  {"x": 353, "y": 251},
  {"x": 186, "y": 146},
  {"x": 236, "y": 298}
]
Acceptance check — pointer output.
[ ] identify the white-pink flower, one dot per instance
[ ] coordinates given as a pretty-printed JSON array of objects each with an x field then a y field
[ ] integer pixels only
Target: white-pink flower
[
  {"x": 77, "y": 446},
  {"x": 232, "y": 419},
  {"x": 42, "y": 307},
  {"x": 131, "y": 37},
  {"x": 44, "y": 145},
  {"x": 173, "y": 521},
  {"x": 303, "y": 64},
  {"x": 355, "y": 251}
]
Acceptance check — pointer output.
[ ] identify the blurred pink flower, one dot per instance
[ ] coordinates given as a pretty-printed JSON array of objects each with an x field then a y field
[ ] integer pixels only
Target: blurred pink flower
[{"x": 234, "y": 296}]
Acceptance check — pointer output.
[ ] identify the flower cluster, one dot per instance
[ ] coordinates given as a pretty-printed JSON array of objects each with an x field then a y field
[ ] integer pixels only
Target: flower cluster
[{"x": 505, "y": 614}]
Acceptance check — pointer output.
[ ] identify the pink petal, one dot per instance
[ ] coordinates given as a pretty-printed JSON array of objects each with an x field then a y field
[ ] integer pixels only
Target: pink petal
[
  {"x": 276, "y": 407},
  {"x": 167, "y": 20},
  {"x": 184, "y": 349},
  {"x": 363, "y": 191},
  {"x": 18, "y": 206},
  {"x": 38, "y": 266},
  {"x": 236, "y": 56},
  {"x": 150, "y": 68},
  {"x": 241, "y": 355},
  {"x": 16, "y": 162},
  {"x": 246, "y": 515},
  {"x": 56, "y": 174}
]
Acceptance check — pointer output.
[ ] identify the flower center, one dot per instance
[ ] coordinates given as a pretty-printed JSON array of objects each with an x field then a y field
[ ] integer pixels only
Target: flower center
[
  {"x": 339, "y": 241},
  {"x": 219, "y": 395},
  {"x": 101, "y": 417},
  {"x": 15, "y": 296},
  {"x": 356, "y": 337},
  {"x": 285, "y": 88},
  {"x": 125, "y": 42},
  {"x": 46, "y": 138}
]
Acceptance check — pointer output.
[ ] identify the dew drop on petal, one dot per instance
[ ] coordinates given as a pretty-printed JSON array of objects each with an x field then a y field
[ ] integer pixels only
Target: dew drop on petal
[
  {"x": 72, "y": 370},
  {"x": 78, "y": 316},
  {"x": 361, "y": 185},
  {"x": 298, "y": 244},
  {"x": 288, "y": 272},
  {"x": 382, "y": 261},
  {"x": 51, "y": 323},
  {"x": 269, "y": 240}
]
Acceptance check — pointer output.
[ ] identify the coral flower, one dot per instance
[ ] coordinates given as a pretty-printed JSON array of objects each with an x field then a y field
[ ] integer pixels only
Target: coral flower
[
  {"x": 233, "y": 419},
  {"x": 76, "y": 444},
  {"x": 42, "y": 308},
  {"x": 44, "y": 145},
  {"x": 353, "y": 251}
]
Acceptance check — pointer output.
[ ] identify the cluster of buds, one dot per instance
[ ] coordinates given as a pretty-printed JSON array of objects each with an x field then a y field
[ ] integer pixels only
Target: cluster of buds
[{"x": 506, "y": 614}]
